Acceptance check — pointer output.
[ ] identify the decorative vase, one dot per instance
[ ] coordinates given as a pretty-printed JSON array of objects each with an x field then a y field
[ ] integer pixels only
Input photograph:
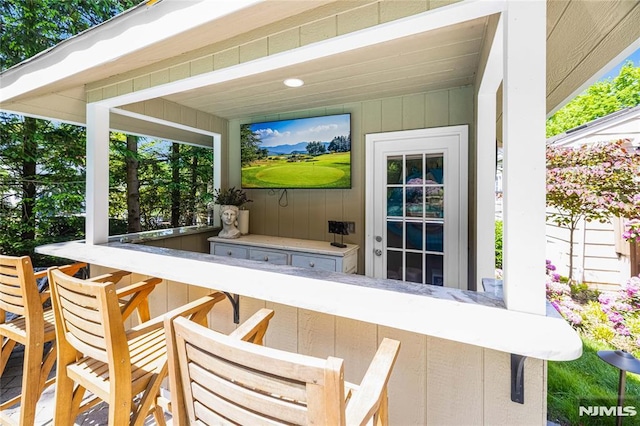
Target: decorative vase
[{"x": 243, "y": 221}]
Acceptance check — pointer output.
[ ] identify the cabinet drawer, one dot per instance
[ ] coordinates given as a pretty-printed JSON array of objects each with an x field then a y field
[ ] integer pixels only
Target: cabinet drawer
[
  {"x": 231, "y": 251},
  {"x": 313, "y": 262},
  {"x": 275, "y": 257}
]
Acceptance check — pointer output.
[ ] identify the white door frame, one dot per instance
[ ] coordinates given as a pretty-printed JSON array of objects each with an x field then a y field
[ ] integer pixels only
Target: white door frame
[{"x": 462, "y": 133}]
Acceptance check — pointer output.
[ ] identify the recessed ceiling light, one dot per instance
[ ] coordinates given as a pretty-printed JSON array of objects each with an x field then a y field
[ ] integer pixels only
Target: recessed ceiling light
[{"x": 293, "y": 82}]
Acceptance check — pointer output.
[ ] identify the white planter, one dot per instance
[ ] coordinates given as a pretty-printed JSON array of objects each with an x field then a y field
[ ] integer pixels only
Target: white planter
[{"x": 243, "y": 221}]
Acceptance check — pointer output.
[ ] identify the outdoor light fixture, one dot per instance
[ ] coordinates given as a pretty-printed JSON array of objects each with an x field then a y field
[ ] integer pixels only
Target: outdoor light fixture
[
  {"x": 339, "y": 228},
  {"x": 293, "y": 82},
  {"x": 625, "y": 362}
]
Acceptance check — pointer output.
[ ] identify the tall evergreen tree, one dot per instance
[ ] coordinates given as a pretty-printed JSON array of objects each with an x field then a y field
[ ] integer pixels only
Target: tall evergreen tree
[
  {"x": 133, "y": 186},
  {"x": 29, "y": 27}
]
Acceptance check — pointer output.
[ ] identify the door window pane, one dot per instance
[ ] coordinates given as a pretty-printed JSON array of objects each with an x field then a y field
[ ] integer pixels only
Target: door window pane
[
  {"x": 394, "y": 202},
  {"x": 434, "y": 269},
  {"x": 394, "y": 234},
  {"x": 414, "y": 236},
  {"x": 394, "y": 265},
  {"x": 434, "y": 169},
  {"x": 434, "y": 206},
  {"x": 414, "y": 201},
  {"x": 394, "y": 170},
  {"x": 435, "y": 237},
  {"x": 414, "y": 170},
  {"x": 414, "y": 268}
]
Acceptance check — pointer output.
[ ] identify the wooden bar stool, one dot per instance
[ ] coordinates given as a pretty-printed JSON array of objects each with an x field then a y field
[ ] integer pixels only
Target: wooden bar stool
[
  {"x": 226, "y": 381},
  {"x": 33, "y": 325},
  {"x": 96, "y": 354}
]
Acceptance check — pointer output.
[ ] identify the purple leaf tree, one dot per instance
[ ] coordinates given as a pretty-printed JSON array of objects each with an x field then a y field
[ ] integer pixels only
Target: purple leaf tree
[{"x": 592, "y": 182}]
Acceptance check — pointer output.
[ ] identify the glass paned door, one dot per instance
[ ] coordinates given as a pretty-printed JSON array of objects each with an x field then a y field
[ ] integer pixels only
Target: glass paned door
[
  {"x": 417, "y": 206},
  {"x": 415, "y": 217}
]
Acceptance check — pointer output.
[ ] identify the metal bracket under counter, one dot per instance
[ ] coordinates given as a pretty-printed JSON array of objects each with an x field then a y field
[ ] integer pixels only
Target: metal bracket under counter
[
  {"x": 235, "y": 303},
  {"x": 494, "y": 288},
  {"x": 517, "y": 378}
]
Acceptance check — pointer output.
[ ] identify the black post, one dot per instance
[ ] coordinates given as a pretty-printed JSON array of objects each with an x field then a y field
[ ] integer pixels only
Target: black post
[{"x": 621, "y": 389}]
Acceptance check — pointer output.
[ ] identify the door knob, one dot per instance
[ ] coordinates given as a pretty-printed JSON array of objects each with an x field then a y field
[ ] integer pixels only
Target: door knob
[{"x": 377, "y": 252}]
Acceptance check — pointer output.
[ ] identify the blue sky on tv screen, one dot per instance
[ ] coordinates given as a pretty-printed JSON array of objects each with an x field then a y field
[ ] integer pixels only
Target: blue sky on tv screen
[{"x": 291, "y": 132}]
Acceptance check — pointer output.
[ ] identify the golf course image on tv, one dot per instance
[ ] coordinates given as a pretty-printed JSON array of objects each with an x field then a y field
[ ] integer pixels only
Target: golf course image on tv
[{"x": 310, "y": 152}]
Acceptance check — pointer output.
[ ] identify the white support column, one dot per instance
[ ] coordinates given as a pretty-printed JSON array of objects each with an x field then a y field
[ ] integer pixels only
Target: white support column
[
  {"x": 97, "y": 221},
  {"x": 524, "y": 186},
  {"x": 486, "y": 160}
]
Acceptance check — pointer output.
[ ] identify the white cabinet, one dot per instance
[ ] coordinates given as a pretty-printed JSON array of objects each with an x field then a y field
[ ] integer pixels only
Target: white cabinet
[{"x": 288, "y": 251}]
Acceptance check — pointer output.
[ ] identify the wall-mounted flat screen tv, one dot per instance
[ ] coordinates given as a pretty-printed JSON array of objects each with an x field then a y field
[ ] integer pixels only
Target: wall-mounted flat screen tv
[{"x": 310, "y": 152}]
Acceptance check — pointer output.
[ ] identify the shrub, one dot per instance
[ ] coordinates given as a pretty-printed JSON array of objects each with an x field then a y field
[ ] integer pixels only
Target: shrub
[
  {"x": 609, "y": 317},
  {"x": 582, "y": 293},
  {"x": 603, "y": 333},
  {"x": 498, "y": 244}
]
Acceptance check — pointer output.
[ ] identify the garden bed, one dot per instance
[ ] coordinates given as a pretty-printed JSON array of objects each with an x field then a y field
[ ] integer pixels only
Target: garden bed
[{"x": 607, "y": 320}]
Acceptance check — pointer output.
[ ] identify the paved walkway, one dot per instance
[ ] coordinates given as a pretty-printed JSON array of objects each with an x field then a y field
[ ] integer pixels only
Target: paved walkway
[{"x": 11, "y": 383}]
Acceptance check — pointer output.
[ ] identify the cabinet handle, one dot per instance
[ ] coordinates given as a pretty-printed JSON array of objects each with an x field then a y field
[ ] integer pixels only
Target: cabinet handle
[
  {"x": 311, "y": 264},
  {"x": 266, "y": 258},
  {"x": 229, "y": 253}
]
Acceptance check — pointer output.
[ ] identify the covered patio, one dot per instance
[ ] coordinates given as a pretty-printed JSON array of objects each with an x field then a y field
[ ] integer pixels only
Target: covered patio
[{"x": 194, "y": 72}]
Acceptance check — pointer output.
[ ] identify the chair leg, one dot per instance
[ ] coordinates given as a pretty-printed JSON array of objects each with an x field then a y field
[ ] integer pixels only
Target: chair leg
[
  {"x": 7, "y": 348},
  {"x": 382, "y": 416},
  {"x": 67, "y": 399},
  {"x": 158, "y": 414},
  {"x": 120, "y": 404},
  {"x": 150, "y": 397},
  {"x": 30, "y": 376},
  {"x": 47, "y": 365}
]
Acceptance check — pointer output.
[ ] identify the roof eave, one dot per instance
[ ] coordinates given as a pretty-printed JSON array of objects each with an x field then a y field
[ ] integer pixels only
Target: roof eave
[{"x": 145, "y": 26}]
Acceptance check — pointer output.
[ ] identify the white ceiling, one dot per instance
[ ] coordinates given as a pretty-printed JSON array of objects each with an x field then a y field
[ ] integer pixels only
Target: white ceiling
[{"x": 432, "y": 60}]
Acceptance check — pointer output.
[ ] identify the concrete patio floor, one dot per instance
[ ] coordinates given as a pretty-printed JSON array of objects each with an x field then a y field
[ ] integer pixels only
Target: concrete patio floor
[{"x": 11, "y": 383}]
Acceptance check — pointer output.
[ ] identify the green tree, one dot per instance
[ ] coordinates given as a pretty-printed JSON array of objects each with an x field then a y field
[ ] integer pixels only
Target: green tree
[
  {"x": 602, "y": 98},
  {"x": 133, "y": 186},
  {"x": 316, "y": 148},
  {"x": 249, "y": 145},
  {"x": 38, "y": 184},
  {"x": 340, "y": 144}
]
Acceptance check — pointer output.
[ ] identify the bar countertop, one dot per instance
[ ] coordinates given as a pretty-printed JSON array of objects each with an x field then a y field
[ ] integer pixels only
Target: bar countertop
[{"x": 470, "y": 317}]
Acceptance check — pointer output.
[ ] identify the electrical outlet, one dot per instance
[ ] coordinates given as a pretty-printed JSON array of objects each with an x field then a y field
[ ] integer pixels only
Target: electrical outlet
[{"x": 351, "y": 227}]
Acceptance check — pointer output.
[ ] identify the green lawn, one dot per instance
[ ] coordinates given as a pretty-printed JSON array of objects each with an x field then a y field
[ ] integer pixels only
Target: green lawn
[
  {"x": 324, "y": 171},
  {"x": 584, "y": 380}
]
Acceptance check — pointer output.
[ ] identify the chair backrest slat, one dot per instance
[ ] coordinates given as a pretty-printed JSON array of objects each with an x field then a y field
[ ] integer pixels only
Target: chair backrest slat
[
  {"x": 18, "y": 289},
  {"x": 241, "y": 400},
  {"x": 251, "y": 384},
  {"x": 80, "y": 305},
  {"x": 228, "y": 370},
  {"x": 89, "y": 317}
]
